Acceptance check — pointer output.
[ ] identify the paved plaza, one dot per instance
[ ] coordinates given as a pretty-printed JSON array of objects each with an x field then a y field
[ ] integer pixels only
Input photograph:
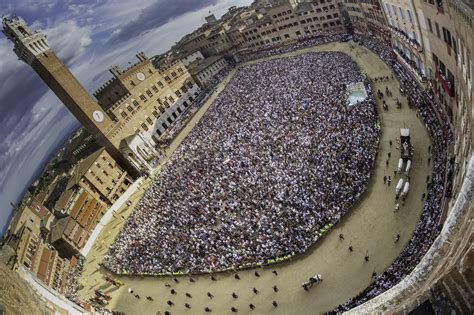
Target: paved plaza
[{"x": 370, "y": 228}]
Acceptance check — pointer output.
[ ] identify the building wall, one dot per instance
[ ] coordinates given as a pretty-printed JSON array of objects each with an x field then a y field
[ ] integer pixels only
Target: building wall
[
  {"x": 219, "y": 42},
  {"x": 41, "y": 259},
  {"x": 375, "y": 16},
  {"x": 285, "y": 23},
  {"x": 70, "y": 233},
  {"x": 205, "y": 75},
  {"x": 152, "y": 100},
  {"x": 358, "y": 19},
  {"x": 195, "y": 56},
  {"x": 106, "y": 178},
  {"x": 28, "y": 246},
  {"x": 445, "y": 48},
  {"x": 462, "y": 17},
  {"x": 406, "y": 33},
  {"x": 198, "y": 42},
  {"x": 31, "y": 214},
  {"x": 262, "y": 24},
  {"x": 236, "y": 37},
  {"x": 441, "y": 53}
]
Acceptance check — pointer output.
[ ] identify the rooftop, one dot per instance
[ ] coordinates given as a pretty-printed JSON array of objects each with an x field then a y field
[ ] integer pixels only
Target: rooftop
[{"x": 198, "y": 66}]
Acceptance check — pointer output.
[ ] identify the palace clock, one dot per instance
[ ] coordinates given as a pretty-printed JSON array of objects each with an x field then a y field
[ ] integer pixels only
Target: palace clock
[{"x": 98, "y": 116}]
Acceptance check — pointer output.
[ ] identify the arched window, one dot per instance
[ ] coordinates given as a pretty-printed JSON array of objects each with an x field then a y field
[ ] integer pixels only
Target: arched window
[{"x": 22, "y": 31}]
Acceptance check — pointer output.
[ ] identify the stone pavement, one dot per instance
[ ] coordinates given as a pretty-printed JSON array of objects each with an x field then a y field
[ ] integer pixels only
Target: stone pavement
[{"x": 370, "y": 227}]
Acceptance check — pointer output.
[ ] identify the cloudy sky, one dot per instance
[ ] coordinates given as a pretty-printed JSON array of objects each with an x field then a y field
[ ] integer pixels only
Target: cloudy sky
[{"x": 89, "y": 36}]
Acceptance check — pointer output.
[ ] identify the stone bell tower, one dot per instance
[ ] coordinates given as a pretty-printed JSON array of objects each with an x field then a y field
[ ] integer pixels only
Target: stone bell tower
[{"x": 32, "y": 48}]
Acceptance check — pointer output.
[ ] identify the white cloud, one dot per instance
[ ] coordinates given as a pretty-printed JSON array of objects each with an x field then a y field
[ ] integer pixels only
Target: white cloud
[
  {"x": 69, "y": 40},
  {"x": 9, "y": 61},
  {"x": 35, "y": 127}
]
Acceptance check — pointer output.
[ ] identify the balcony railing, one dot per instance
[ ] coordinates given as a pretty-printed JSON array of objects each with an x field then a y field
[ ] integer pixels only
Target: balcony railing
[
  {"x": 405, "y": 38},
  {"x": 447, "y": 86},
  {"x": 410, "y": 65}
]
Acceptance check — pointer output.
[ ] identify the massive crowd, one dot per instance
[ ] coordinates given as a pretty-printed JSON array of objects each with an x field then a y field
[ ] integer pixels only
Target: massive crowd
[
  {"x": 428, "y": 226},
  {"x": 272, "y": 50},
  {"x": 276, "y": 157},
  {"x": 71, "y": 285},
  {"x": 187, "y": 115},
  {"x": 211, "y": 234}
]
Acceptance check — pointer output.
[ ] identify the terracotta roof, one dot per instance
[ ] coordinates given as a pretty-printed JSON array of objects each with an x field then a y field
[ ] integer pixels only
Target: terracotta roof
[{"x": 38, "y": 209}]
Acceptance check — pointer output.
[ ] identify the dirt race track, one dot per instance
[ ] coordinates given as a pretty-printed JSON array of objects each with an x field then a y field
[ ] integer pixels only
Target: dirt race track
[{"x": 370, "y": 227}]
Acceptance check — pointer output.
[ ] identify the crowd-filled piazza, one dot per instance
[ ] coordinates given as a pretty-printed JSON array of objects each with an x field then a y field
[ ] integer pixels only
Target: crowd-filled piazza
[
  {"x": 369, "y": 228},
  {"x": 278, "y": 156}
]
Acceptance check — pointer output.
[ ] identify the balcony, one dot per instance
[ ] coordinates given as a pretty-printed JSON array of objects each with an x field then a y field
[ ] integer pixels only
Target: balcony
[
  {"x": 379, "y": 29},
  {"x": 406, "y": 39},
  {"x": 439, "y": 6},
  {"x": 410, "y": 65},
  {"x": 448, "y": 87}
]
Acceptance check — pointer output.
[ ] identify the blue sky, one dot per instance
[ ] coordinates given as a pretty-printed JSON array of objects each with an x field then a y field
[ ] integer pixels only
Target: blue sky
[{"x": 89, "y": 36}]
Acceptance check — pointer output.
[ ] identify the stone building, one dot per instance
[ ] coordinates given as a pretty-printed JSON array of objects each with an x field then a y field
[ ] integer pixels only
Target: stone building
[
  {"x": 26, "y": 237},
  {"x": 462, "y": 16},
  {"x": 367, "y": 17},
  {"x": 446, "y": 28},
  {"x": 356, "y": 15},
  {"x": 79, "y": 213},
  {"x": 263, "y": 23},
  {"x": 32, "y": 47},
  {"x": 406, "y": 34},
  {"x": 285, "y": 22},
  {"x": 102, "y": 177},
  {"x": 203, "y": 71},
  {"x": 146, "y": 97},
  {"x": 441, "y": 52},
  {"x": 94, "y": 183},
  {"x": 31, "y": 214},
  {"x": 195, "y": 41},
  {"x": 187, "y": 59},
  {"x": 433, "y": 39}
]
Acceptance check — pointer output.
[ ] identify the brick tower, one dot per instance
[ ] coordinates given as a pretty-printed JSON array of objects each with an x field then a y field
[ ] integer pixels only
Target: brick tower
[{"x": 32, "y": 47}]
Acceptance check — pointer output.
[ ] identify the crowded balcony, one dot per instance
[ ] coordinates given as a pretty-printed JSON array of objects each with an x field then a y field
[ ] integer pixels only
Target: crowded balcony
[
  {"x": 410, "y": 65},
  {"x": 406, "y": 38},
  {"x": 447, "y": 85}
]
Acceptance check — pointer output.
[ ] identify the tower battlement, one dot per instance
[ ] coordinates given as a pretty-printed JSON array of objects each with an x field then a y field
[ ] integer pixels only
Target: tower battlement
[
  {"x": 28, "y": 43},
  {"x": 32, "y": 47},
  {"x": 104, "y": 86},
  {"x": 121, "y": 75}
]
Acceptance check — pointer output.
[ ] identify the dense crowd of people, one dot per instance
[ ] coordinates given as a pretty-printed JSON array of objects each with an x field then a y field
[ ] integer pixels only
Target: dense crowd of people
[
  {"x": 259, "y": 174},
  {"x": 272, "y": 50},
  {"x": 428, "y": 227},
  {"x": 71, "y": 285},
  {"x": 178, "y": 125}
]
